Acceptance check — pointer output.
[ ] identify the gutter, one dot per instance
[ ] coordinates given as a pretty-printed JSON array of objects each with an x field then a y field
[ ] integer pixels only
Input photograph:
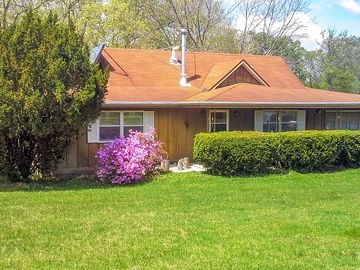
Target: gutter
[{"x": 234, "y": 104}]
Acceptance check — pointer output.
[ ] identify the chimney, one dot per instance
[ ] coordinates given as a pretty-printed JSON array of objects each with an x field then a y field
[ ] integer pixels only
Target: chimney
[
  {"x": 174, "y": 59},
  {"x": 183, "y": 79}
]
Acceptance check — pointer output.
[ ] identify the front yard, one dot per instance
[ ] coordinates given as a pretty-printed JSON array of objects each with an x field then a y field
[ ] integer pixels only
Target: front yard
[{"x": 184, "y": 221}]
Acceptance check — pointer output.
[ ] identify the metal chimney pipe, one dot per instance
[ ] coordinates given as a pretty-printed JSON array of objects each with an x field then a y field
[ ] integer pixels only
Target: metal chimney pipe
[
  {"x": 174, "y": 59},
  {"x": 183, "y": 79}
]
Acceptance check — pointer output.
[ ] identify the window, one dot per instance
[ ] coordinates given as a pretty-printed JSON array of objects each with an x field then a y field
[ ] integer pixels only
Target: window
[
  {"x": 219, "y": 120},
  {"x": 116, "y": 124},
  {"x": 274, "y": 121},
  {"x": 348, "y": 120}
]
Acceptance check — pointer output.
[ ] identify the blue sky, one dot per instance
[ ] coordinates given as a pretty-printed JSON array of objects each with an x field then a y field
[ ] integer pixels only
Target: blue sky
[{"x": 341, "y": 14}]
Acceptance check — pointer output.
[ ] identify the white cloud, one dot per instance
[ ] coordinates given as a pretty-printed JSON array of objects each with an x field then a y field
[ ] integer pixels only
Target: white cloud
[
  {"x": 312, "y": 30},
  {"x": 351, "y": 5}
]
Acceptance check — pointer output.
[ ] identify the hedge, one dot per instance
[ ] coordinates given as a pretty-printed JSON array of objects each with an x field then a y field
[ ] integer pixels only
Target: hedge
[{"x": 233, "y": 153}]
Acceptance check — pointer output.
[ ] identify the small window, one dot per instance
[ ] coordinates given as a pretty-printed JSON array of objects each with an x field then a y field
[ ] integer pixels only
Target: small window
[{"x": 219, "y": 120}]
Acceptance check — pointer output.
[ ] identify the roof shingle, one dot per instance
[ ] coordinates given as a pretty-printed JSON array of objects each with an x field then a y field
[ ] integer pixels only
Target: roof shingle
[{"x": 147, "y": 76}]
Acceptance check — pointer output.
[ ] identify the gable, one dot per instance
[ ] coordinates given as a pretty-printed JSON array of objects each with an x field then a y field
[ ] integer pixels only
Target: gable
[
  {"x": 242, "y": 73},
  {"x": 239, "y": 75}
]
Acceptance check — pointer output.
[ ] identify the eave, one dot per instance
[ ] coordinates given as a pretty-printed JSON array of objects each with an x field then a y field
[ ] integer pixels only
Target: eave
[{"x": 260, "y": 105}]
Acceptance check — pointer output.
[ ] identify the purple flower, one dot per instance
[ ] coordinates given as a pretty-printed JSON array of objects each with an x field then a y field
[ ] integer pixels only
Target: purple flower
[{"x": 129, "y": 160}]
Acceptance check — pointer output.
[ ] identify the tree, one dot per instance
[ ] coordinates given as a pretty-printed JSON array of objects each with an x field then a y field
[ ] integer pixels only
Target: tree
[
  {"x": 340, "y": 62},
  {"x": 336, "y": 64},
  {"x": 272, "y": 19},
  {"x": 205, "y": 21},
  {"x": 12, "y": 10},
  {"x": 117, "y": 23},
  {"x": 48, "y": 91}
]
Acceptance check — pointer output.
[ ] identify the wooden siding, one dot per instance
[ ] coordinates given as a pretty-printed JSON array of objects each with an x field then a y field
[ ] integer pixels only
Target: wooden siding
[
  {"x": 238, "y": 76},
  {"x": 241, "y": 119},
  {"x": 177, "y": 128},
  {"x": 315, "y": 119}
]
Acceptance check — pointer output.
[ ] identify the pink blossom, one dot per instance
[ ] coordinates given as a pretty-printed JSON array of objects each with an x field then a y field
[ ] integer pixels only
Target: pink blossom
[{"x": 129, "y": 159}]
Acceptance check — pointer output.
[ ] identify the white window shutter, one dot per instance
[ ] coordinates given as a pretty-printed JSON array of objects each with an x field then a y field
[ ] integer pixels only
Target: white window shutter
[
  {"x": 301, "y": 121},
  {"x": 258, "y": 121},
  {"x": 93, "y": 132},
  {"x": 148, "y": 121}
]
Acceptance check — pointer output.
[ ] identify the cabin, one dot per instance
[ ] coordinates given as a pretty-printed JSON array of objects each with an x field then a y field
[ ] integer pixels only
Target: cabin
[{"x": 181, "y": 93}]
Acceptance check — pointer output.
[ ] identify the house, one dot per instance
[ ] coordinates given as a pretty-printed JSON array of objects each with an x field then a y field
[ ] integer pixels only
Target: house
[{"x": 181, "y": 93}]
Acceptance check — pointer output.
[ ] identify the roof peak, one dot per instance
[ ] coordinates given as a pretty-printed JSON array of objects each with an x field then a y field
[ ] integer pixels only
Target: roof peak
[{"x": 193, "y": 52}]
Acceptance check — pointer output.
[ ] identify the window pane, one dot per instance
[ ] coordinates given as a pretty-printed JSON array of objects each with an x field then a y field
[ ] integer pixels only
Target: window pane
[
  {"x": 110, "y": 118},
  {"x": 109, "y": 133},
  {"x": 289, "y": 121},
  {"x": 289, "y": 117},
  {"x": 350, "y": 120},
  {"x": 330, "y": 120},
  {"x": 220, "y": 127},
  {"x": 127, "y": 129},
  {"x": 290, "y": 126},
  {"x": 220, "y": 117},
  {"x": 270, "y": 117},
  {"x": 270, "y": 127},
  {"x": 133, "y": 118}
]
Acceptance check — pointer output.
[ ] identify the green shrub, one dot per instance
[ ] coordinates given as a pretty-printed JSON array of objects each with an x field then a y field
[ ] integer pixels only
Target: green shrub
[{"x": 232, "y": 153}]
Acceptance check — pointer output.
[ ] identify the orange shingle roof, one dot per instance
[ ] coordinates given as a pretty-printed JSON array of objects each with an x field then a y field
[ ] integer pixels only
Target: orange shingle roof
[{"x": 147, "y": 76}]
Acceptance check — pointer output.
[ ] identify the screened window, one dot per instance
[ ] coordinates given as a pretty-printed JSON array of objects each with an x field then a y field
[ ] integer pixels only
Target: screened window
[
  {"x": 347, "y": 120},
  {"x": 274, "y": 121},
  {"x": 115, "y": 124},
  {"x": 219, "y": 120}
]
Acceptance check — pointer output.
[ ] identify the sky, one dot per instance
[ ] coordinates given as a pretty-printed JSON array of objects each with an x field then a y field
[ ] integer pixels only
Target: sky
[{"x": 325, "y": 14}]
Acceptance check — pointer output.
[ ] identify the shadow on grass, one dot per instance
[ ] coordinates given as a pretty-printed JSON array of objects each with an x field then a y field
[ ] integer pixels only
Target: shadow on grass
[
  {"x": 271, "y": 172},
  {"x": 63, "y": 184}
]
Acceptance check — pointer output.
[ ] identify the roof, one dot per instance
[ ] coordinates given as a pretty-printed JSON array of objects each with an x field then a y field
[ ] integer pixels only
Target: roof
[{"x": 146, "y": 78}]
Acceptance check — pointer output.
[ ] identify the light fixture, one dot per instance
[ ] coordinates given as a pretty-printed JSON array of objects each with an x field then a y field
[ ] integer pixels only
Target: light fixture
[{"x": 236, "y": 114}]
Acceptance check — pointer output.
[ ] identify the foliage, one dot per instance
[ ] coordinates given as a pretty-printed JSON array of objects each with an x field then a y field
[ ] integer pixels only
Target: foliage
[
  {"x": 117, "y": 23},
  {"x": 49, "y": 90},
  {"x": 129, "y": 159},
  {"x": 232, "y": 153},
  {"x": 335, "y": 65}
]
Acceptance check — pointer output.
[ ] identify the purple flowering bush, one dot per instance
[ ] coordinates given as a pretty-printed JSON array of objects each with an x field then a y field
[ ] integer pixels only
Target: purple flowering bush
[{"x": 129, "y": 159}]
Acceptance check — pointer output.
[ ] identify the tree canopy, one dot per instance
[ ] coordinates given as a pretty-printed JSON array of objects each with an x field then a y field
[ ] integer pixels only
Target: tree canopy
[{"x": 48, "y": 89}]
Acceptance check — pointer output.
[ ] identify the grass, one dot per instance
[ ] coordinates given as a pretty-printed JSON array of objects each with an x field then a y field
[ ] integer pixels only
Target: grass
[{"x": 184, "y": 221}]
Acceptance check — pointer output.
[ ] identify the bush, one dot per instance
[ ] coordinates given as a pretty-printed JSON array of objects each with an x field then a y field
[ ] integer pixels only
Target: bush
[
  {"x": 232, "y": 153},
  {"x": 129, "y": 159}
]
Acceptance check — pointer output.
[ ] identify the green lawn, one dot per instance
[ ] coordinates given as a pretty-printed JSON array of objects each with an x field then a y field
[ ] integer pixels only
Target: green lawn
[{"x": 184, "y": 221}]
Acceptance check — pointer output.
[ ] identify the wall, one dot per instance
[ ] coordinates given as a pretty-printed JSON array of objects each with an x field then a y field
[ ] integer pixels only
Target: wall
[{"x": 176, "y": 128}]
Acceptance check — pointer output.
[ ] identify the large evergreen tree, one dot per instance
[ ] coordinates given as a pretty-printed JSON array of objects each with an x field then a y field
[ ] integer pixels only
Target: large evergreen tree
[{"x": 48, "y": 91}]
